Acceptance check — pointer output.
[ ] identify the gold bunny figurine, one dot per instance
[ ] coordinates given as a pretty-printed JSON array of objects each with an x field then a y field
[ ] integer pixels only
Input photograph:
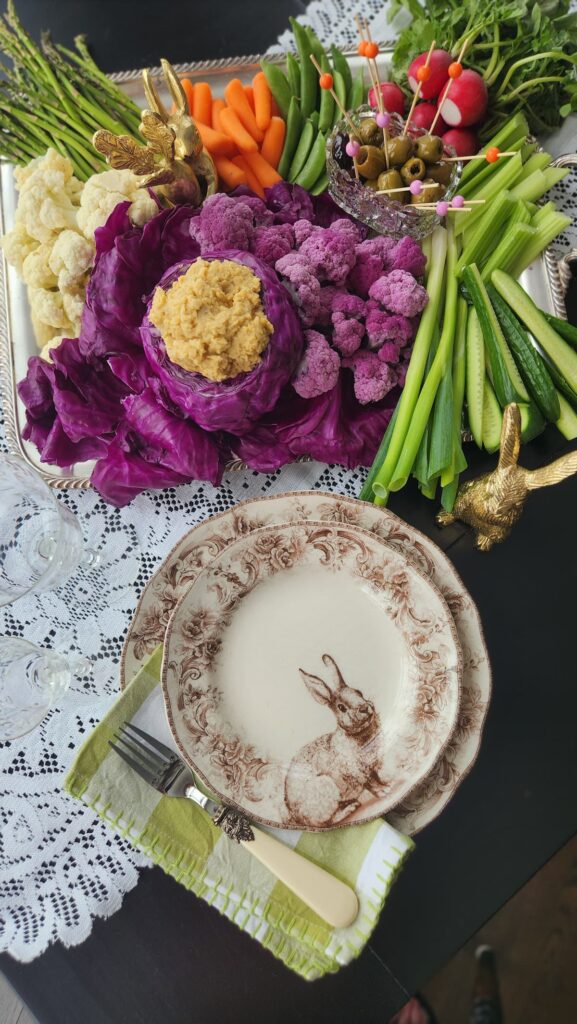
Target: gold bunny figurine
[
  {"x": 173, "y": 159},
  {"x": 492, "y": 503}
]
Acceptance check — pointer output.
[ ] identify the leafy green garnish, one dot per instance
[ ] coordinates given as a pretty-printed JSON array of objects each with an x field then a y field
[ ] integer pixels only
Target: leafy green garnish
[{"x": 526, "y": 52}]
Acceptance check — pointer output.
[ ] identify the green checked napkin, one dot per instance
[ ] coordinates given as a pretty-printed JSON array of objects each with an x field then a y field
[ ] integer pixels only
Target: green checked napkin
[{"x": 180, "y": 837}]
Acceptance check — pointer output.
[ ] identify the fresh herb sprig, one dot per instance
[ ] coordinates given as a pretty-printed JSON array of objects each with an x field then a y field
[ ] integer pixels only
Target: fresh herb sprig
[
  {"x": 53, "y": 96},
  {"x": 525, "y": 51}
]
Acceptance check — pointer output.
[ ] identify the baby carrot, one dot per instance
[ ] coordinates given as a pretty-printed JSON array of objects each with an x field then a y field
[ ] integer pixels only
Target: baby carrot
[
  {"x": 272, "y": 146},
  {"x": 202, "y": 109},
  {"x": 189, "y": 93},
  {"x": 262, "y": 101},
  {"x": 235, "y": 96},
  {"x": 216, "y": 142},
  {"x": 230, "y": 174},
  {"x": 263, "y": 171},
  {"x": 230, "y": 123},
  {"x": 251, "y": 177},
  {"x": 217, "y": 106},
  {"x": 249, "y": 93}
]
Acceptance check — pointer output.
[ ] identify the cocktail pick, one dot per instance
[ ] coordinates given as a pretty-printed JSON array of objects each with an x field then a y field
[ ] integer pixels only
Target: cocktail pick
[
  {"x": 455, "y": 70},
  {"x": 326, "y": 82},
  {"x": 370, "y": 50},
  {"x": 444, "y": 206},
  {"x": 491, "y": 156},
  {"x": 415, "y": 188},
  {"x": 423, "y": 74}
]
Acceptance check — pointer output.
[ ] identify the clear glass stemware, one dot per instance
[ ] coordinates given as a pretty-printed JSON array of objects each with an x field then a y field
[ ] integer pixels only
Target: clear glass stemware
[
  {"x": 41, "y": 542},
  {"x": 32, "y": 680}
]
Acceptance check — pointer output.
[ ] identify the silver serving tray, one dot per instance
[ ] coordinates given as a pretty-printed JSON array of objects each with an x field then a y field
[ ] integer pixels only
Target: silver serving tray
[{"x": 546, "y": 280}]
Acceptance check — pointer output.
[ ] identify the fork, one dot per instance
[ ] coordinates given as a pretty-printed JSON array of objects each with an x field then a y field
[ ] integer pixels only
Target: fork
[{"x": 165, "y": 770}]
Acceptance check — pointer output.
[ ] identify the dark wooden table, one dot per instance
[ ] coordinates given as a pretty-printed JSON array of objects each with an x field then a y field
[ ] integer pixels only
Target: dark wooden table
[{"x": 167, "y": 957}]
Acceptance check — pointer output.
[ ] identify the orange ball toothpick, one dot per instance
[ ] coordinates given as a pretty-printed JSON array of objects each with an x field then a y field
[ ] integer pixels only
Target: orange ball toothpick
[
  {"x": 422, "y": 75},
  {"x": 455, "y": 70}
]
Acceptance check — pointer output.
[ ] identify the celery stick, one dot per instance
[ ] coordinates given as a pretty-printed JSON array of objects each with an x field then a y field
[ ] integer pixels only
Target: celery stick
[
  {"x": 469, "y": 188},
  {"x": 509, "y": 250},
  {"x": 441, "y": 364},
  {"x": 538, "y": 183},
  {"x": 545, "y": 233},
  {"x": 527, "y": 150},
  {"x": 504, "y": 177},
  {"x": 519, "y": 215},
  {"x": 537, "y": 162},
  {"x": 542, "y": 212},
  {"x": 515, "y": 128},
  {"x": 417, "y": 364},
  {"x": 480, "y": 241}
]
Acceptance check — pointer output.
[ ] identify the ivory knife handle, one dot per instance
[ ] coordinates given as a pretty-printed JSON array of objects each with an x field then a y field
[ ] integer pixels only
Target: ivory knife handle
[{"x": 330, "y": 898}]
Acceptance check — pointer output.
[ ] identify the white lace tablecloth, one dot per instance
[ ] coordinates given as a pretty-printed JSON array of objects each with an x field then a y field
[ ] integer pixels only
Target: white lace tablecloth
[{"x": 60, "y": 866}]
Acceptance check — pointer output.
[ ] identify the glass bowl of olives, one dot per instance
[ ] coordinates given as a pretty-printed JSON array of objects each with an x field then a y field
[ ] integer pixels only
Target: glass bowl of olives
[{"x": 414, "y": 156}]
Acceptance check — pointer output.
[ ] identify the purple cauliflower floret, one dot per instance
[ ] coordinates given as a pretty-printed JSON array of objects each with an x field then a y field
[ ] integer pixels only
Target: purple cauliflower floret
[
  {"x": 400, "y": 293},
  {"x": 261, "y": 215},
  {"x": 347, "y": 334},
  {"x": 389, "y": 353},
  {"x": 371, "y": 262},
  {"x": 223, "y": 223},
  {"x": 407, "y": 255},
  {"x": 347, "y": 312},
  {"x": 383, "y": 326},
  {"x": 302, "y": 285},
  {"x": 330, "y": 254},
  {"x": 348, "y": 227},
  {"x": 289, "y": 203},
  {"x": 319, "y": 368},
  {"x": 327, "y": 298},
  {"x": 272, "y": 243},
  {"x": 373, "y": 379},
  {"x": 302, "y": 230}
]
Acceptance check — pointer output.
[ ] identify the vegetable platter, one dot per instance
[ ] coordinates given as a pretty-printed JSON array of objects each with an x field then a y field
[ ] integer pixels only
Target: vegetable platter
[{"x": 217, "y": 297}]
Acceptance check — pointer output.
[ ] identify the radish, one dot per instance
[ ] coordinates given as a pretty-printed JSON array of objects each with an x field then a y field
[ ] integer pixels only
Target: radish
[
  {"x": 424, "y": 115},
  {"x": 466, "y": 102},
  {"x": 393, "y": 98},
  {"x": 463, "y": 140},
  {"x": 439, "y": 65}
]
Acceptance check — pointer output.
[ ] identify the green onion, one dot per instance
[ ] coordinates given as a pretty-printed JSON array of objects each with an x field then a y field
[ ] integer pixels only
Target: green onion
[{"x": 367, "y": 488}]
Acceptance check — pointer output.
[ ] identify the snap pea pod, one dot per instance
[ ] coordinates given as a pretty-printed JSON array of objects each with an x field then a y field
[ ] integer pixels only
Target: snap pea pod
[
  {"x": 314, "y": 119},
  {"x": 278, "y": 84},
  {"x": 302, "y": 151},
  {"x": 356, "y": 92},
  {"x": 315, "y": 44},
  {"x": 327, "y": 104},
  {"x": 340, "y": 90},
  {"x": 293, "y": 133},
  {"x": 314, "y": 165},
  {"x": 341, "y": 64},
  {"x": 308, "y": 92},
  {"x": 320, "y": 185},
  {"x": 294, "y": 74}
]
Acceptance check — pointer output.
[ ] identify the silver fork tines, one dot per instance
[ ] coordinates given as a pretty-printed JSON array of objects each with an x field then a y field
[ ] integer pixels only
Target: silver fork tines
[{"x": 156, "y": 763}]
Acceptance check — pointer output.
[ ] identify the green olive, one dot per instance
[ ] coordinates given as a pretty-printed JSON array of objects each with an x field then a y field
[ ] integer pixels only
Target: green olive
[
  {"x": 429, "y": 195},
  {"x": 440, "y": 172},
  {"x": 429, "y": 148},
  {"x": 372, "y": 183},
  {"x": 370, "y": 161},
  {"x": 391, "y": 179},
  {"x": 400, "y": 149},
  {"x": 369, "y": 132},
  {"x": 413, "y": 169}
]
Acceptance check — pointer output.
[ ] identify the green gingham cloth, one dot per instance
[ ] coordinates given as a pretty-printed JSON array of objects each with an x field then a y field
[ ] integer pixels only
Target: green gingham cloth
[{"x": 181, "y": 838}]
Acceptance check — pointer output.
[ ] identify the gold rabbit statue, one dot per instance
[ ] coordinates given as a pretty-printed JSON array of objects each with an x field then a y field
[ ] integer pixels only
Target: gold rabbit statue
[
  {"x": 492, "y": 503},
  {"x": 173, "y": 159}
]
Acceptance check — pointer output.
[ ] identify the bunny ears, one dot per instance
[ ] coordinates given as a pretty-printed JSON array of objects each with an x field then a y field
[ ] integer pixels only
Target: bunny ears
[
  {"x": 174, "y": 87},
  {"x": 324, "y": 688}
]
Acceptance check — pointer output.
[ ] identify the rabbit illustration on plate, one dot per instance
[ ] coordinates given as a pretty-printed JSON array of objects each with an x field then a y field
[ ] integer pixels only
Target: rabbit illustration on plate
[{"x": 332, "y": 775}]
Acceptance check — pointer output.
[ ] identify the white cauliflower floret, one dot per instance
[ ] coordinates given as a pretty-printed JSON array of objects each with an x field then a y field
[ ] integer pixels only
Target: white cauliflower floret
[
  {"x": 103, "y": 192},
  {"x": 53, "y": 343},
  {"x": 52, "y": 163},
  {"x": 17, "y": 245},
  {"x": 71, "y": 257},
  {"x": 36, "y": 270},
  {"x": 48, "y": 307},
  {"x": 73, "y": 302},
  {"x": 45, "y": 205}
]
